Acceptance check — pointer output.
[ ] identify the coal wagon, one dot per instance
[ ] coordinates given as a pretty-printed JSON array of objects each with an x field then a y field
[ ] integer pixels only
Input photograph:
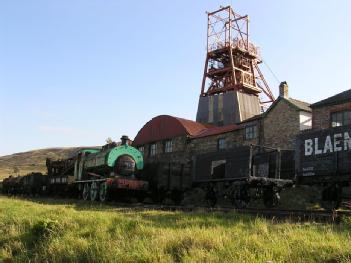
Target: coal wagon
[
  {"x": 34, "y": 184},
  {"x": 324, "y": 158},
  {"x": 245, "y": 173}
]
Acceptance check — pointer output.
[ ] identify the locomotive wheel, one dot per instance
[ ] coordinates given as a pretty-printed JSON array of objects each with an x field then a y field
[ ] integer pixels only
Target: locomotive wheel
[
  {"x": 86, "y": 191},
  {"x": 94, "y": 191},
  {"x": 103, "y": 192}
]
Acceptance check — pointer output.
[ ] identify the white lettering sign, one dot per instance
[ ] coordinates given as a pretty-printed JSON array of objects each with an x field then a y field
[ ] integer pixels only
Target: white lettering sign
[
  {"x": 337, "y": 142},
  {"x": 308, "y": 147},
  {"x": 331, "y": 143},
  {"x": 316, "y": 145},
  {"x": 347, "y": 141},
  {"x": 328, "y": 145}
]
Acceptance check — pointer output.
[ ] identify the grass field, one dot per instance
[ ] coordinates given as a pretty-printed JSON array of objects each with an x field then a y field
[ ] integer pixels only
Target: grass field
[{"x": 46, "y": 230}]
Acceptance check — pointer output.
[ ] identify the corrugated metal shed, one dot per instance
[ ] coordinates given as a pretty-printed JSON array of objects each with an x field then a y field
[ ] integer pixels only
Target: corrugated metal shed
[{"x": 166, "y": 127}]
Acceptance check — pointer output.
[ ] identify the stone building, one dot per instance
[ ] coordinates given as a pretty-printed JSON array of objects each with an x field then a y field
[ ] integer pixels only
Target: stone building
[
  {"x": 169, "y": 143},
  {"x": 284, "y": 120},
  {"x": 332, "y": 112},
  {"x": 164, "y": 141}
]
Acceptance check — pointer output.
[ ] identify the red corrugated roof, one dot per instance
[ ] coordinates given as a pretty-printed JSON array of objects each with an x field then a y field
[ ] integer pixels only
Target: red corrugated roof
[
  {"x": 166, "y": 127},
  {"x": 192, "y": 127}
]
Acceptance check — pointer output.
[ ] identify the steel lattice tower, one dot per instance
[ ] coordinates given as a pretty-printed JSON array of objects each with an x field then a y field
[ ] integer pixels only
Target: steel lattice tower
[{"x": 233, "y": 87}]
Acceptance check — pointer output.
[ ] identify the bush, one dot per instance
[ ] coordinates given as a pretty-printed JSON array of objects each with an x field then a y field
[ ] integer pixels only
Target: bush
[{"x": 46, "y": 229}]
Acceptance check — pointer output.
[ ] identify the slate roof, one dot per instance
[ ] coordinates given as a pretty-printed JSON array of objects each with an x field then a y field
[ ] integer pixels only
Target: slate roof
[
  {"x": 297, "y": 104},
  {"x": 256, "y": 117},
  {"x": 216, "y": 130},
  {"x": 300, "y": 104},
  {"x": 336, "y": 99}
]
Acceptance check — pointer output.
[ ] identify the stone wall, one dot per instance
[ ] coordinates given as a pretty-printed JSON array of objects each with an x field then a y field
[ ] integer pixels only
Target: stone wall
[
  {"x": 210, "y": 144},
  {"x": 171, "y": 171},
  {"x": 321, "y": 115},
  {"x": 179, "y": 145},
  {"x": 281, "y": 125}
]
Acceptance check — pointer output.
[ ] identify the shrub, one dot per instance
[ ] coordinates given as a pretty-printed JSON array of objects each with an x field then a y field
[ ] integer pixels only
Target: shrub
[{"x": 46, "y": 229}]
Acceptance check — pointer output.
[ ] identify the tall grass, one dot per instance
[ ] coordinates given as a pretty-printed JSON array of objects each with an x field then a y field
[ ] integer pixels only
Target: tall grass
[{"x": 69, "y": 231}]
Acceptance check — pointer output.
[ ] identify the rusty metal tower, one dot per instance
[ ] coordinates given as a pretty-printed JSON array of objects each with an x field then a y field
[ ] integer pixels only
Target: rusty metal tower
[{"x": 233, "y": 87}]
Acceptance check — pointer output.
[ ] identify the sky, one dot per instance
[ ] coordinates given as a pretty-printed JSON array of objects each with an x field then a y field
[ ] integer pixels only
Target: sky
[{"x": 75, "y": 72}]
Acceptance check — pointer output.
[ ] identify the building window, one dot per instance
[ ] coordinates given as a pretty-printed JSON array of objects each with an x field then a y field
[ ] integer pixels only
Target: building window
[
  {"x": 141, "y": 149},
  {"x": 341, "y": 118},
  {"x": 153, "y": 149},
  {"x": 250, "y": 132},
  {"x": 221, "y": 144},
  {"x": 305, "y": 120},
  {"x": 168, "y": 146}
]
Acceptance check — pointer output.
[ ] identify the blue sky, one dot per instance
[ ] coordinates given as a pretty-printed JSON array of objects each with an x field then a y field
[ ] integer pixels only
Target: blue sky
[{"x": 74, "y": 72}]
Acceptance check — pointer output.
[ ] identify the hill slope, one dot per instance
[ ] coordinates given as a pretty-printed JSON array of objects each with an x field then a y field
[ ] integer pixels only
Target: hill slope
[{"x": 32, "y": 161}]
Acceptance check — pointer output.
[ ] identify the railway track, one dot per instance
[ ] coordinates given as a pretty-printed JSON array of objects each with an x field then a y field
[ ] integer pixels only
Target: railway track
[{"x": 276, "y": 215}]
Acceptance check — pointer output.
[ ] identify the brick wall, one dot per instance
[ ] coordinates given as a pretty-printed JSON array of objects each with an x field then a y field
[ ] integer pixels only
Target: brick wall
[
  {"x": 321, "y": 115},
  {"x": 281, "y": 125}
]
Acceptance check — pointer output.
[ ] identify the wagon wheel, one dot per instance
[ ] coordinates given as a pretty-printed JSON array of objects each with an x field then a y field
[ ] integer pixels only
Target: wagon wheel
[
  {"x": 94, "y": 191},
  {"x": 240, "y": 203},
  {"x": 331, "y": 197},
  {"x": 211, "y": 197},
  {"x": 330, "y": 205},
  {"x": 86, "y": 191},
  {"x": 270, "y": 198},
  {"x": 103, "y": 192},
  {"x": 240, "y": 198}
]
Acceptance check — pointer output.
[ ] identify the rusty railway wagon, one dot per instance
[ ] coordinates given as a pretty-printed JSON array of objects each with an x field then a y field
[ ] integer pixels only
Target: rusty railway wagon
[
  {"x": 245, "y": 173},
  {"x": 13, "y": 185},
  {"x": 323, "y": 158},
  {"x": 34, "y": 184},
  {"x": 240, "y": 174}
]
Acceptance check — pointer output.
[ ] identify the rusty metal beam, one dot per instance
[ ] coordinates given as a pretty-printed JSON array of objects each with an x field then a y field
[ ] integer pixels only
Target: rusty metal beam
[{"x": 240, "y": 69}]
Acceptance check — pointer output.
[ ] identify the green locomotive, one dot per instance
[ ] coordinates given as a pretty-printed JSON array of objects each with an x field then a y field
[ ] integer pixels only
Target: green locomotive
[{"x": 97, "y": 174}]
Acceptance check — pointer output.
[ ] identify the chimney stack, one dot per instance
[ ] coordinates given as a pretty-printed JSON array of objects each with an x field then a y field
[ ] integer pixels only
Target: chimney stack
[
  {"x": 284, "y": 90},
  {"x": 125, "y": 140}
]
